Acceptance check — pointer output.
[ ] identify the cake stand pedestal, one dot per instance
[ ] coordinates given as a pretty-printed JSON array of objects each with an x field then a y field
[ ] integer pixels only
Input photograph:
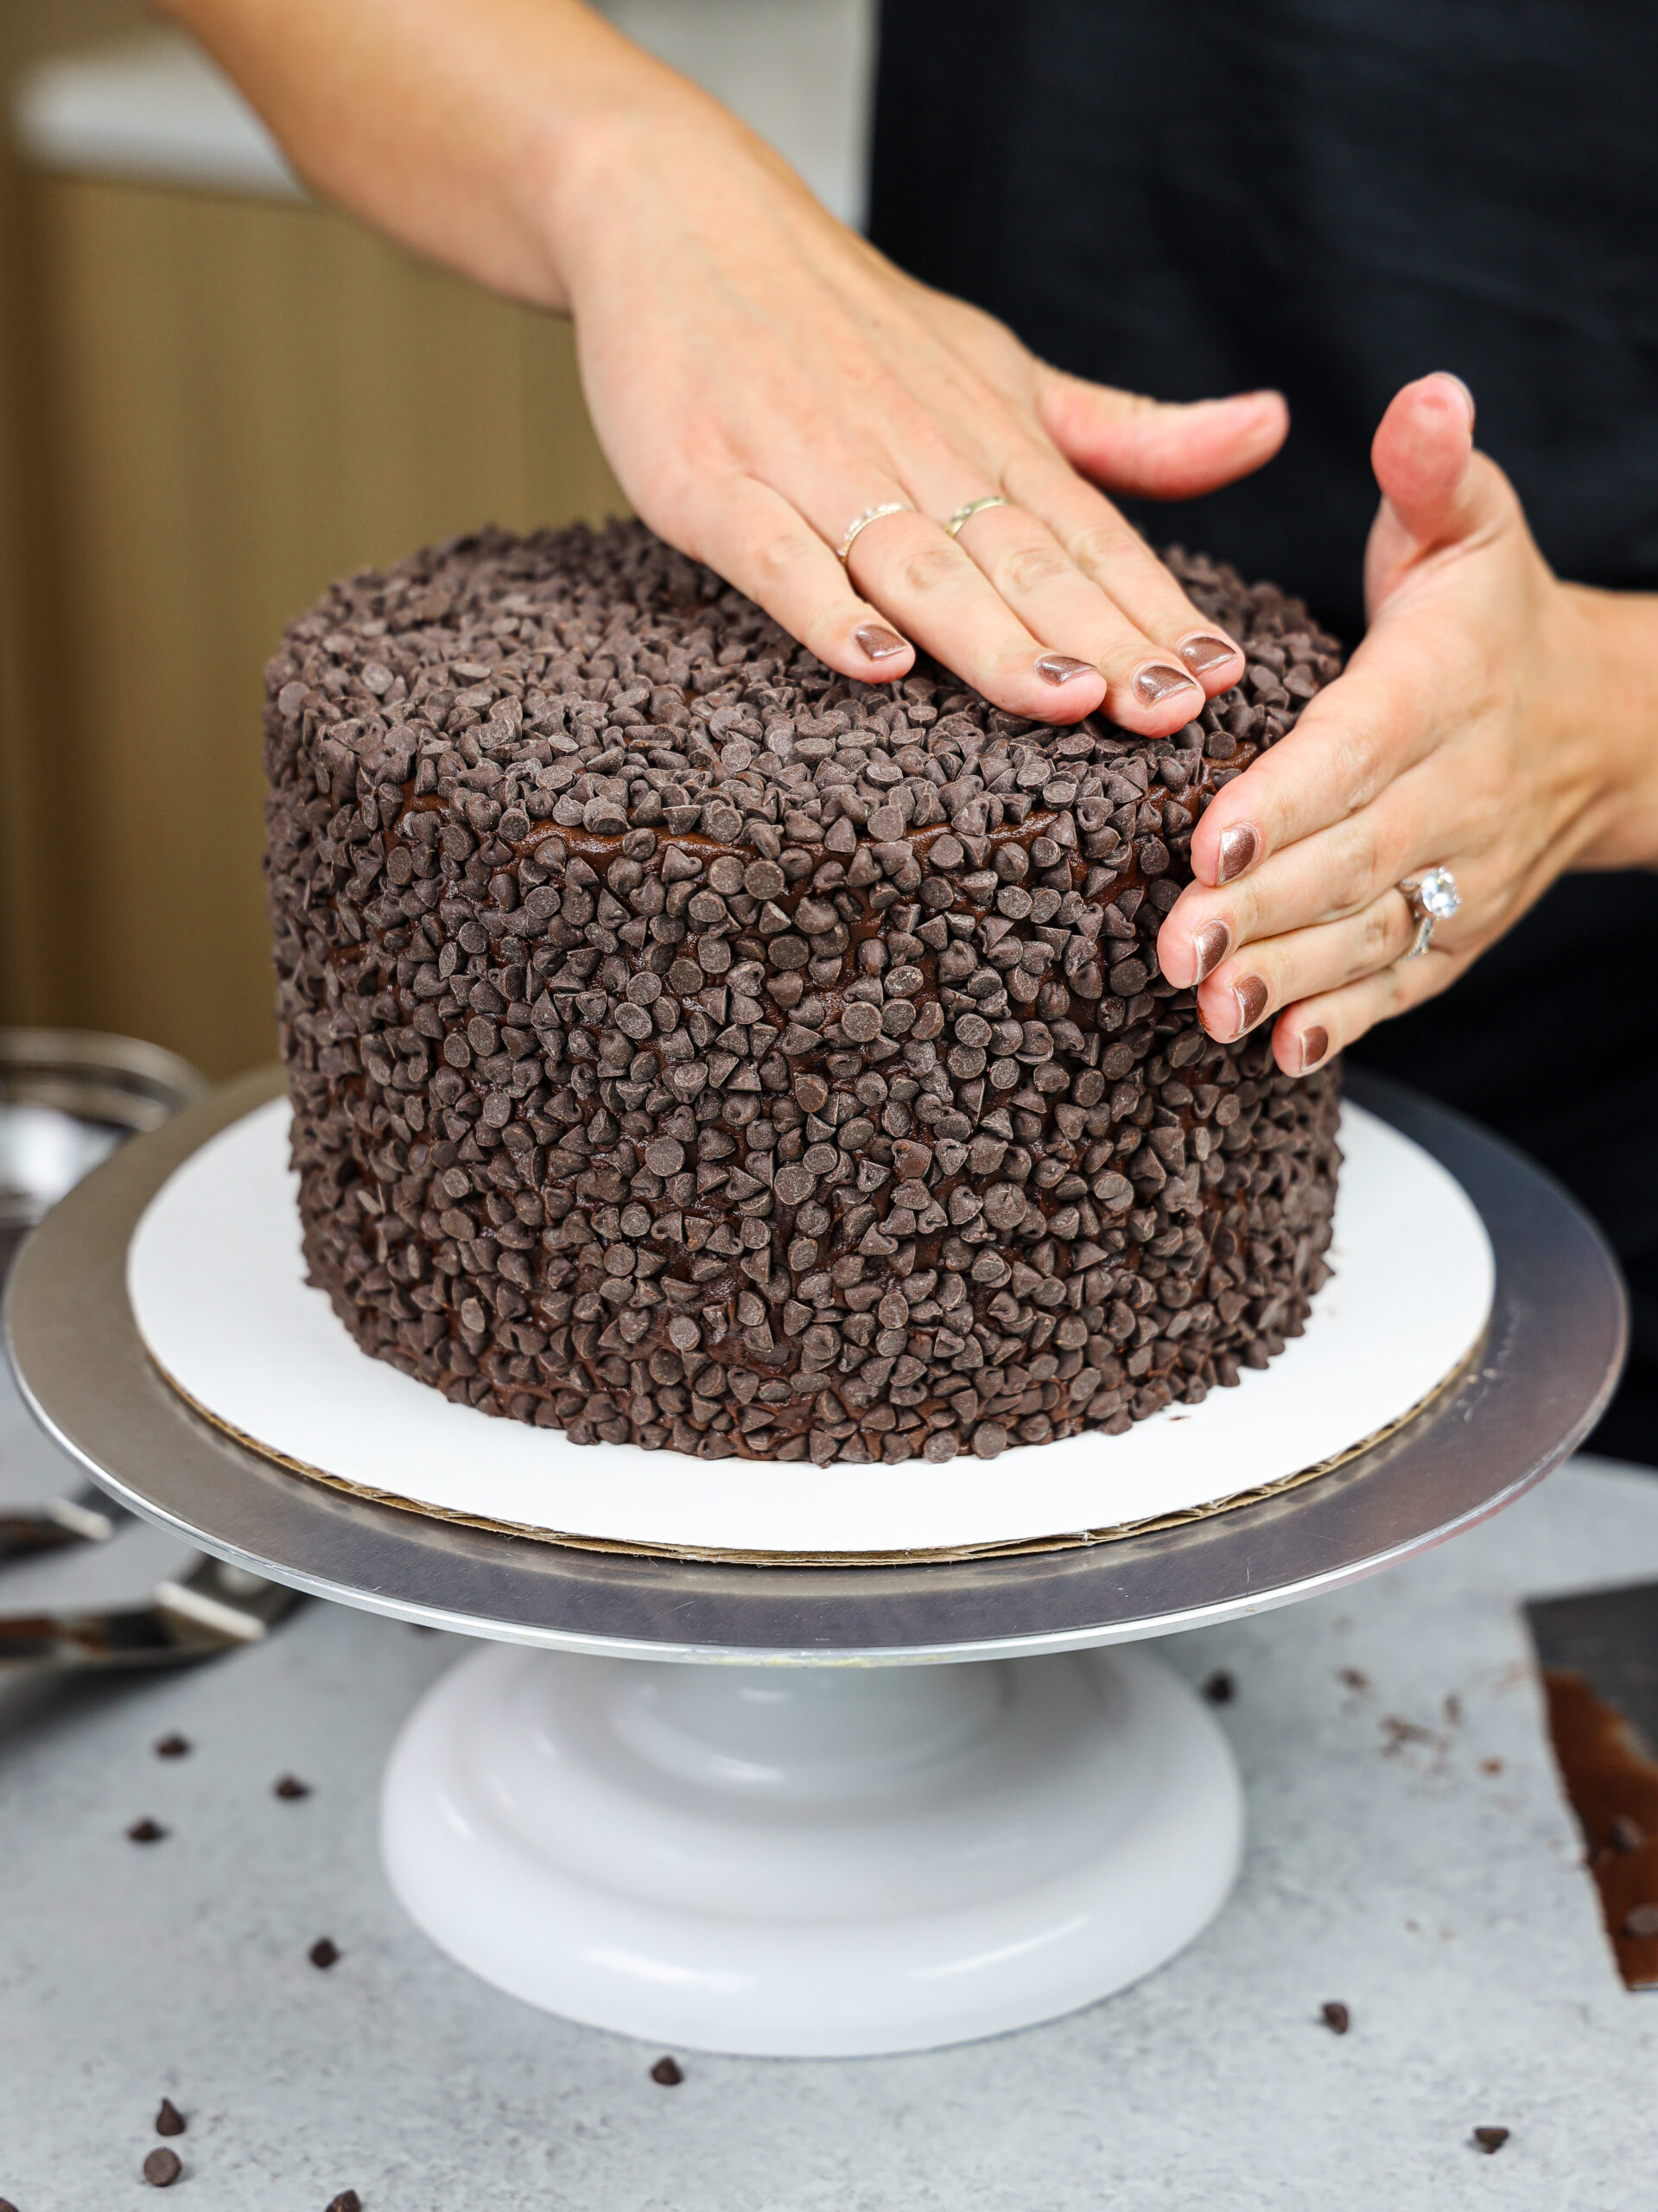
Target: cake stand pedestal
[{"x": 818, "y": 1847}]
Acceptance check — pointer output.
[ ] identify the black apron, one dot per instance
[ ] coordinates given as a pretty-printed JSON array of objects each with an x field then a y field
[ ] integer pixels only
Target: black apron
[{"x": 1187, "y": 198}]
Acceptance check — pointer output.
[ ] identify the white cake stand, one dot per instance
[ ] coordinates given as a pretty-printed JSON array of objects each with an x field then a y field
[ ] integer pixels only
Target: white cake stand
[{"x": 817, "y": 1847}]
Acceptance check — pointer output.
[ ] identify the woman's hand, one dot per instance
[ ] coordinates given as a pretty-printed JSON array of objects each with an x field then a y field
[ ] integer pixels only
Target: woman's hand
[
  {"x": 759, "y": 377},
  {"x": 1494, "y": 722}
]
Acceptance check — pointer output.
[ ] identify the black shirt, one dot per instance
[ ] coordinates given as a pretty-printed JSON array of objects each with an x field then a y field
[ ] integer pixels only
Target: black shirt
[{"x": 1186, "y": 198}]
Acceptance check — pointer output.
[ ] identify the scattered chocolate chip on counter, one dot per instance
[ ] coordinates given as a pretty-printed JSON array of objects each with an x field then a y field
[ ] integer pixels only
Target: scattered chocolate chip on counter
[
  {"x": 1336, "y": 2017},
  {"x": 162, "y": 2168},
  {"x": 1220, "y": 1688},
  {"x": 693, "y": 1047},
  {"x": 290, "y": 1788},
  {"x": 325, "y": 1952},
  {"x": 669, "y": 2072},
  {"x": 347, "y": 2201},
  {"x": 145, "y": 1831},
  {"x": 173, "y": 1747},
  {"x": 1491, "y": 2139},
  {"x": 169, "y": 2120}
]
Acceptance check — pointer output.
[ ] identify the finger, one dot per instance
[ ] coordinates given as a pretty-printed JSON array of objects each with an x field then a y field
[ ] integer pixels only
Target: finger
[
  {"x": 1437, "y": 492},
  {"x": 1377, "y": 721},
  {"x": 1313, "y": 1030},
  {"x": 1254, "y": 983},
  {"x": 1147, "y": 689},
  {"x": 752, "y": 537},
  {"x": 927, "y": 584},
  {"x": 1158, "y": 449},
  {"x": 1108, "y": 549}
]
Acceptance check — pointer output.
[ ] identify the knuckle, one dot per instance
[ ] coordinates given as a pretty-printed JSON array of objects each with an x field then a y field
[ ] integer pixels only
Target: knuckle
[
  {"x": 1099, "y": 546},
  {"x": 1026, "y": 568},
  {"x": 929, "y": 569}
]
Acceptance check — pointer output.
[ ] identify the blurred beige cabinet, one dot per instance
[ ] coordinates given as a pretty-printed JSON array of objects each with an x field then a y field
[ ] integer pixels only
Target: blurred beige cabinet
[{"x": 221, "y": 396}]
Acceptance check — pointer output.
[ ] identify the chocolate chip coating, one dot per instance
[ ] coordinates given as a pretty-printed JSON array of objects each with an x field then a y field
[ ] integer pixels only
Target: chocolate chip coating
[{"x": 691, "y": 1047}]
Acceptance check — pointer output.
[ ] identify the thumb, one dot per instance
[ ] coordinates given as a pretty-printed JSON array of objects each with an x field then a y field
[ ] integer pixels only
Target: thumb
[
  {"x": 1437, "y": 491},
  {"x": 1159, "y": 449}
]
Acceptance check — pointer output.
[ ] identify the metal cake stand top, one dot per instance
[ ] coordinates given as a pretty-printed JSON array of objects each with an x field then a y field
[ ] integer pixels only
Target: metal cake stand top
[{"x": 1551, "y": 1359}]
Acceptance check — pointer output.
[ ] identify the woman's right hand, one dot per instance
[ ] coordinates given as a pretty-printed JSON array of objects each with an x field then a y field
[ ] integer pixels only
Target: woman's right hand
[{"x": 759, "y": 376}]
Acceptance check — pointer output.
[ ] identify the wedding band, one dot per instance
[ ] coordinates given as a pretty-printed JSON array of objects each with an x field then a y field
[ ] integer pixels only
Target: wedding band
[
  {"x": 869, "y": 515},
  {"x": 1431, "y": 898},
  {"x": 953, "y": 527}
]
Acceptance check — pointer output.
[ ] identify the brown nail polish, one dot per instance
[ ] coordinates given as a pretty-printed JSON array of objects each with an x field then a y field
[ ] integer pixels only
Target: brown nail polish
[
  {"x": 1239, "y": 846},
  {"x": 1156, "y": 682},
  {"x": 879, "y": 642},
  {"x": 1059, "y": 668},
  {"x": 1251, "y": 996},
  {"x": 1204, "y": 652},
  {"x": 1314, "y": 1047},
  {"x": 1210, "y": 945}
]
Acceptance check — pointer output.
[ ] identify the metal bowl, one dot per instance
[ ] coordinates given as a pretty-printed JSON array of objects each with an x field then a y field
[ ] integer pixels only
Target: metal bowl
[{"x": 67, "y": 1098}]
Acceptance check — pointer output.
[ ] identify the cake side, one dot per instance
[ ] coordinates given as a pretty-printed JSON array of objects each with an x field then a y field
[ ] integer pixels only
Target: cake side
[{"x": 689, "y": 1046}]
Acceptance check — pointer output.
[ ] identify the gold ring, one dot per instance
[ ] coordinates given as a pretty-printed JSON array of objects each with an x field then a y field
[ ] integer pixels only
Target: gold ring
[
  {"x": 953, "y": 527},
  {"x": 869, "y": 515}
]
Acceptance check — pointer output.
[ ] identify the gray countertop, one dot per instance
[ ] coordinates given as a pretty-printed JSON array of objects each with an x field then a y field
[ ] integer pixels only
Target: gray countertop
[{"x": 1432, "y": 1884}]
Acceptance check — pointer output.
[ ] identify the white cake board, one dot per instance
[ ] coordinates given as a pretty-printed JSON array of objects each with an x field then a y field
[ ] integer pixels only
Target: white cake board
[{"x": 217, "y": 1284}]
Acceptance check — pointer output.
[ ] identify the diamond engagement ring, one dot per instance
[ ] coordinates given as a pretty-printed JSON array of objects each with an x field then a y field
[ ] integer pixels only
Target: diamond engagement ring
[
  {"x": 870, "y": 514},
  {"x": 1431, "y": 898}
]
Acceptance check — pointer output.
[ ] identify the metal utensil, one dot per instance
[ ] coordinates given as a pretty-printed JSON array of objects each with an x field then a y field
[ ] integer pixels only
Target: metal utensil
[{"x": 211, "y": 1609}]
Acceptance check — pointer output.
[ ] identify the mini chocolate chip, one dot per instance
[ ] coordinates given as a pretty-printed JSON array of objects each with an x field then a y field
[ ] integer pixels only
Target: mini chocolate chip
[
  {"x": 669, "y": 2072},
  {"x": 1220, "y": 1688},
  {"x": 347, "y": 2201},
  {"x": 325, "y": 1952},
  {"x": 1336, "y": 2017},
  {"x": 291, "y": 1787},
  {"x": 1491, "y": 2139},
  {"x": 173, "y": 1747},
  {"x": 169, "y": 2120},
  {"x": 162, "y": 2168},
  {"x": 145, "y": 1831}
]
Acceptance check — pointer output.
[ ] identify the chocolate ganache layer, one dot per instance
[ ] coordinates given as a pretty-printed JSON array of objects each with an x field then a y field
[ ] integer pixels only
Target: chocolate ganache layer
[{"x": 691, "y": 1047}]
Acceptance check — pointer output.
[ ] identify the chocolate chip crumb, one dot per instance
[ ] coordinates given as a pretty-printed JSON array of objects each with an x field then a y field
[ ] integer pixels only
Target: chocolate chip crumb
[
  {"x": 1336, "y": 2017},
  {"x": 325, "y": 1952},
  {"x": 1354, "y": 1679},
  {"x": 173, "y": 1747},
  {"x": 1641, "y": 1921},
  {"x": 162, "y": 2169},
  {"x": 1220, "y": 1688},
  {"x": 169, "y": 2120},
  {"x": 6, "y": 2205},
  {"x": 145, "y": 1831},
  {"x": 290, "y": 1787},
  {"x": 1491, "y": 2139},
  {"x": 347, "y": 2201},
  {"x": 669, "y": 2072}
]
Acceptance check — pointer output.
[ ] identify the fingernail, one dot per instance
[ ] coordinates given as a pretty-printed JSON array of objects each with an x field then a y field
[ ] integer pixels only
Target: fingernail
[
  {"x": 1204, "y": 652},
  {"x": 1210, "y": 946},
  {"x": 1452, "y": 376},
  {"x": 1156, "y": 682},
  {"x": 879, "y": 642},
  {"x": 1251, "y": 997},
  {"x": 1059, "y": 668},
  {"x": 1239, "y": 846},
  {"x": 1315, "y": 1046}
]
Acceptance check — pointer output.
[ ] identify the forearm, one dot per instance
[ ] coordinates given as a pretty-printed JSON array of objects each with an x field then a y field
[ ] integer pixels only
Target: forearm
[
  {"x": 452, "y": 124},
  {"x": 1605, "y": 703}
]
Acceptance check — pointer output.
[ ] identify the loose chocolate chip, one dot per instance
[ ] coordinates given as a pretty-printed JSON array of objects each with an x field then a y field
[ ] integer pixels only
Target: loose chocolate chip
[
  {"x": 325, "y": 1952},
  {"x": 1491, "y": 2139},
  {"x": 1220, "y": 1688},
  {"x": 291, "y": 1787},
  {"x": 169, "y": 2120},
  {"x": 1336, "y": 2017},
  {"x": 669, "y": 2072},
  {"x": 347, "y": 2201},
  {"x": 173, "y": 1747},
  {"x": 145, "y": 1831},
  {"x": 1641, "y": 1921},
  {"x": 162, "y": 2168}
]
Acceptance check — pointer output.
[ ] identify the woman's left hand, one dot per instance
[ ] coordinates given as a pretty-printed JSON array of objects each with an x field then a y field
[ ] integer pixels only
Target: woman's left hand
[{"x": 1494, "y": 722}]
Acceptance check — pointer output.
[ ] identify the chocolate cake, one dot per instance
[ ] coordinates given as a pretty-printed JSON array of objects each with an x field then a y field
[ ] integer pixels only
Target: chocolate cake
[{"x": 691, "y": 1047}]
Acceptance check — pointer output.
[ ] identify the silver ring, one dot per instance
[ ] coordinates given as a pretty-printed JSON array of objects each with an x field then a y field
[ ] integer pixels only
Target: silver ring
[
  {"x": 953, "y": 527},
  {"x": 869, "y": 515},
  {"x": 1431, "y": 898}
]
